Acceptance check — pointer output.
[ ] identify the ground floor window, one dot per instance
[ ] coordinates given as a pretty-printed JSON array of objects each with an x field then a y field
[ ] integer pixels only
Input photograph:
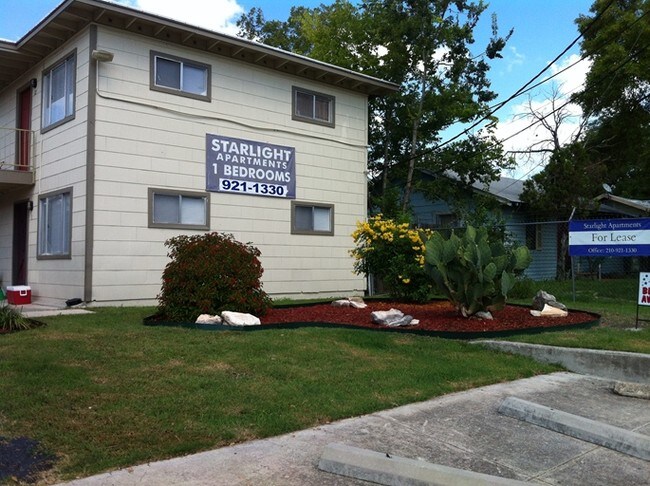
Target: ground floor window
[
  {"x": 312, "y": 218},
  {"x": 178, "y": 209},
  {"x": 534, "y": 236},
  {"x": 55, "y": 224}
]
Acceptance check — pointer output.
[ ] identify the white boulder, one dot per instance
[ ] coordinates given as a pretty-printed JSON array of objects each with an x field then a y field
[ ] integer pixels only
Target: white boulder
[
  {"x": 208, "y": 319},
  {"x": 549, "y": 311},
  {"x": 239, "y": 319}
]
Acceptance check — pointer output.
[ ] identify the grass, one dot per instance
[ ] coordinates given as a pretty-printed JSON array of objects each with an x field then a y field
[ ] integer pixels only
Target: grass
[
  {"x": 614, "y": 299},
  {"x": 103, "y": 391}
]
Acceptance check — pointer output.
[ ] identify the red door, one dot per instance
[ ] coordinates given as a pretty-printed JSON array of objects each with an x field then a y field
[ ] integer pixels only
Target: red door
[{"x": 24, "y": 125}]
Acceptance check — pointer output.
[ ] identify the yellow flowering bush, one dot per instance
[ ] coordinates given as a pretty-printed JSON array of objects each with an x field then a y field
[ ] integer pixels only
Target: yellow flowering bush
[{"x": 394, "y": 252}]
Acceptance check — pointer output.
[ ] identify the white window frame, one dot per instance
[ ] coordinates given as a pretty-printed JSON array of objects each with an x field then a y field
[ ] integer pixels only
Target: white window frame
[
  {"x": 181, "y": 90},
  {"x": 52, "y": 225},
  {"x": 311, "y": 230},
  {"x": 181, "y": 195},
  {"x": 331, "y": 100},
  {"x": 50, "y": 118}
]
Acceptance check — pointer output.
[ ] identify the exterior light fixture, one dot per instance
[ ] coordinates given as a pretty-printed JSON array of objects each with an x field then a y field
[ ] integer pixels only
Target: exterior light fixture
[{"x": 102, "y": 56}]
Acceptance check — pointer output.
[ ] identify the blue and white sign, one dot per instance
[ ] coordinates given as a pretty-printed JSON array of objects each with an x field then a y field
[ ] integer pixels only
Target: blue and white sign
[
  {"x": 242, "y": 166},
  {"x": 610, "y": 237}
]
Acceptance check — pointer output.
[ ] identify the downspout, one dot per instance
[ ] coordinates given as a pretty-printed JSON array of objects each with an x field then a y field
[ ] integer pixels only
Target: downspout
[{"x": 90, "y": 168}]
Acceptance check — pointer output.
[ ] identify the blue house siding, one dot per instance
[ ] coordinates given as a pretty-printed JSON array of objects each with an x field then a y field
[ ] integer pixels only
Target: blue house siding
[{"x": 544, "y": 259}]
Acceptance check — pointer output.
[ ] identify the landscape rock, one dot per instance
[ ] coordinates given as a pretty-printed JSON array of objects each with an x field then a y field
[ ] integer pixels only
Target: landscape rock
[
  {"x": 341, "y": 303},
  {"x": 544, "y": 298},
  {"x": 391, "y": 318},
  {"x": 484, "y": 315},
  {"x": 208, "y": 319},
  {"x": 355, "y": 302},
  {"x": 239, "y": 319},
  {"x": 549, "y": 311}
]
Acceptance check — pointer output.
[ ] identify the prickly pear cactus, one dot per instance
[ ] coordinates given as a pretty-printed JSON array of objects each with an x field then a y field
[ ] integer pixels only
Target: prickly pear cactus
[{"x": 473, "y": 273}]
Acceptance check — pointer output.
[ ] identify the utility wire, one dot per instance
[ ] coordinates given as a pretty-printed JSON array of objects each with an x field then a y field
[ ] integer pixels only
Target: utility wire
[{"x": 520, "y": 90}]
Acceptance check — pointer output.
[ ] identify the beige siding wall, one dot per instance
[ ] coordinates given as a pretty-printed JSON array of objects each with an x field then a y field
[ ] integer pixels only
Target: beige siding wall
[
  {"x": 147, "y": 139},
  {"x": 59, "y": 156}
]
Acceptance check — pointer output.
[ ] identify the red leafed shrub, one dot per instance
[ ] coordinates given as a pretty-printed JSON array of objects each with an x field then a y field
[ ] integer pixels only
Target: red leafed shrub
[{"x": 211, "y": 273}]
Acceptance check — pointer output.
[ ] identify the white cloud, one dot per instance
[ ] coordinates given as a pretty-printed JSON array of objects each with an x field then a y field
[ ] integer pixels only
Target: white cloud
[
  {"x": 217, "y": 15},
  {"x": 563, "y": 85},
  {"x": 573, "y": 79},
  {"x": 514, "y": 59}
]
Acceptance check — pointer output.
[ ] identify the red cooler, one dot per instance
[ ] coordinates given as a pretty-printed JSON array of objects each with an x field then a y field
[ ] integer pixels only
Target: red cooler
[{"x": 19, "y": 294}]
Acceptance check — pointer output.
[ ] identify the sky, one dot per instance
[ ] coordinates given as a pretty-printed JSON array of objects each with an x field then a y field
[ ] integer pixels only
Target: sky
[{"x": 542, "y": 30}]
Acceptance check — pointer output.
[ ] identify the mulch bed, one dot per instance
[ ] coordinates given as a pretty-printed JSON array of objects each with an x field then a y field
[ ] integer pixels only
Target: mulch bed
[{"x": 434, "y": 316}]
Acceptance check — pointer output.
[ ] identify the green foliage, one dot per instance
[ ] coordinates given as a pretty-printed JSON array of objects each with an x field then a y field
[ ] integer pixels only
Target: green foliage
[
  {"x": 569, "y": 180},
  {"x": 616, "y": 97},
  {"x": 394, "y": 252},
  {"x": 428, "y": 49},
  {"x": 524, "y": 288},
  {"x": 211, "y": 273},
  {"x": 12, "y": 319},
  {"x": 473, "y": 273}
]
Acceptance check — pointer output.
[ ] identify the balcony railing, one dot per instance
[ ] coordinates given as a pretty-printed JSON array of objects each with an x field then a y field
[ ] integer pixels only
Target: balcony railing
[{"x": 16, "y": 158}]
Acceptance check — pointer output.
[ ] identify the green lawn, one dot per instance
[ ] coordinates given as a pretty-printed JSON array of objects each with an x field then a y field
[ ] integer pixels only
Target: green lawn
[{"x": 103, "y": 391}]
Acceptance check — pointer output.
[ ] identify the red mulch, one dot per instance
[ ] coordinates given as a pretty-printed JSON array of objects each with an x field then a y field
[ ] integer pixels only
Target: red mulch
[{"x": 433, "y": 316}]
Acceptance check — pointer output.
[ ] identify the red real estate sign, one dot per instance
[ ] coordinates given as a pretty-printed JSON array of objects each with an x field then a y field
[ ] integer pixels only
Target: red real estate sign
[{"x": 644, "y": 288}]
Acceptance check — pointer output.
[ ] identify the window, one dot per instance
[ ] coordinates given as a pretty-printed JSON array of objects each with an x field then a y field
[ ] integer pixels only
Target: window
[
  {"x": 171, "y": 74},
  {"x": 59, "y": 92},
  {"x": 313, "y": 107},
  {"x": 174, "y": 209},
  {"x": 534, "y": 236},
  {"x": 312, "y": 219},
  {"x": 55, "y": 224}
]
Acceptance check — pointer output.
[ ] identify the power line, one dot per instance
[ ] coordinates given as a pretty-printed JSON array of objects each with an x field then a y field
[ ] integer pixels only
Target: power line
[{"x": 521, "y": 90}]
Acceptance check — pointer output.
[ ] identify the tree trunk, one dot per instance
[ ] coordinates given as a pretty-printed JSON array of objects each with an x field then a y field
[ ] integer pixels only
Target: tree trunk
[{"x": 414, "y": 140}]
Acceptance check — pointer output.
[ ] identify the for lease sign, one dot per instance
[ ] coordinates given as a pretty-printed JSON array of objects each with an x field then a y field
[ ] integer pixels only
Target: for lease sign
[
  {"x": 610, "y": 237},
  {"x": 248, "y": 167}
]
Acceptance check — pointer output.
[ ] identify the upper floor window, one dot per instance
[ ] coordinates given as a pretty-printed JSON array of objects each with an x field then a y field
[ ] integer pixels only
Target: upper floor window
[
  {"x": 176, "y": 75},
  {"x": 313, "y": 107},
  {"x": 59, "y": 92}
]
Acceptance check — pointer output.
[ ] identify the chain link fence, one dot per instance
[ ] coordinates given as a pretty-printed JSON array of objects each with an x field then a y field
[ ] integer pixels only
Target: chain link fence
[{"x": 608, "y": 283}]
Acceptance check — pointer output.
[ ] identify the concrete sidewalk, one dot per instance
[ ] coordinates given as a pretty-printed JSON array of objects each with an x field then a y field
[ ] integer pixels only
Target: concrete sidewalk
[{"x": 462, "y": 430}]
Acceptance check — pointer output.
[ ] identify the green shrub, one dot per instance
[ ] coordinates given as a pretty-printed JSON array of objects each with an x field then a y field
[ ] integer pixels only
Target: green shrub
[
  {"x": 473, "y": 273},
  {"x": 524, "y": 288},
  {"x": 393, "y": 252},
  {"x": 211, "y": 273},
  {"x": 12, "y": 319}
]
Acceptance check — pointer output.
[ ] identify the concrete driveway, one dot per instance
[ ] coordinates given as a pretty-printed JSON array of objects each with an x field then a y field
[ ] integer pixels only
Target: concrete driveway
[{"x": 462, "y": 430}]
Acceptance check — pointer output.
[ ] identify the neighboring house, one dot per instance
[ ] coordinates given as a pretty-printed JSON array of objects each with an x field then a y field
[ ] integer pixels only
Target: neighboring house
[
  {"x": 120, "y": 129},
  {"x": 540, "y": 238},
  {"x": 622, "y": 207}
]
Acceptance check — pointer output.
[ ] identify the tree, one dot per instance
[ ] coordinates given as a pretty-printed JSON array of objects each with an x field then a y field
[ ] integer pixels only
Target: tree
[
  {"x": 424, "y": 46},
  {"x": 565, "y": 188},
  {"x": 616, "y": 97}
]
